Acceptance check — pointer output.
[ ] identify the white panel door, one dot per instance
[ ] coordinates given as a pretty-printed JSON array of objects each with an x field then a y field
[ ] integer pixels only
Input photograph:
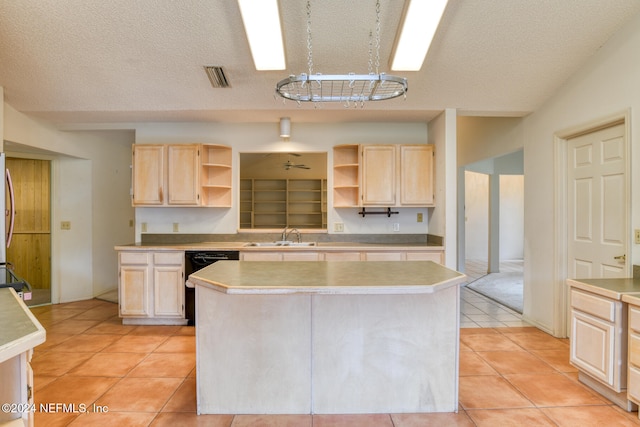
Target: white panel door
[{"x": 597, "y": 204}]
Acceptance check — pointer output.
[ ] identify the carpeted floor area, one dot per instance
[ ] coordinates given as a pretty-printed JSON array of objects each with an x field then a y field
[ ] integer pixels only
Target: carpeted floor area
[{"x": 505, "y": 288}]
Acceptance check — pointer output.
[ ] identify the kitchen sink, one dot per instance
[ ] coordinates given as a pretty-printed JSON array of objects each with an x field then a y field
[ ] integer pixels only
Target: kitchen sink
[{"x": 280, "y": 243}]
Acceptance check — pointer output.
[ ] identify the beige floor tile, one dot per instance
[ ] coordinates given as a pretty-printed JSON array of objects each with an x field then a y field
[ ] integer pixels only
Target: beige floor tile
[
  {"x": 101, "y": 419},
  {"x": 178, "y": 344},
  {"x": 460, "y": 419},
  {"x": 135, "y": 344},
  {"x": 490, "y": 392},
  {"x": 514, "y": 362},
  {"x": 74, "y": 390},
  {"x": 139, "y": 394},
  {"x": 57, "y": 364},
  {"x": 529, "y": 417},
  {"x": 174, "y": 419},
  {"x": 554, "y": 390},
  {"x": 85, "y": 343},
  {"x": 108, "y": 365},
  {"x": 489, "y": 342},
  {"x": 165, "y": 365},
  {"x": 184, "y": 399},
  {"x": 273, "y": 421},
  {"x": 472, "y": 364},
  {"x": 589, "y": 416},
  {"x": 353, "y": 420}
]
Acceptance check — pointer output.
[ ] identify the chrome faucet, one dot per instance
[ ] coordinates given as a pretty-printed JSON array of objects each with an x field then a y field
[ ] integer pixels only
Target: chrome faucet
[{"x": 286, "y": 234}]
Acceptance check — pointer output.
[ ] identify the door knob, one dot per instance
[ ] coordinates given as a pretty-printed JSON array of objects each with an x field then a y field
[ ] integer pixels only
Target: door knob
[{"x": 622, "y": 258}]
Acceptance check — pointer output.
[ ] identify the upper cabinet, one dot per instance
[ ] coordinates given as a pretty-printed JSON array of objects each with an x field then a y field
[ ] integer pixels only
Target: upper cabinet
[
  {"x": 383, "y": 175},
  {"x": 416, "y": 175},
  {"x": 181, "y": 175}
]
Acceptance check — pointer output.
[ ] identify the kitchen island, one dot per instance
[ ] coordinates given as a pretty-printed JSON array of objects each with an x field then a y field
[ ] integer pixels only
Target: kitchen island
[{"x": 327, "y": 337}]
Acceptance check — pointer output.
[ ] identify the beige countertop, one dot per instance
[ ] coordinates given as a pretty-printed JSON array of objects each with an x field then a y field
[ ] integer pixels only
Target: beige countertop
[
  {"x": 610, "y": 288},
  {"x": 20, "y": 330},
  {"x": 330, "y": 277},
  {"x": 244, "y": 246}
]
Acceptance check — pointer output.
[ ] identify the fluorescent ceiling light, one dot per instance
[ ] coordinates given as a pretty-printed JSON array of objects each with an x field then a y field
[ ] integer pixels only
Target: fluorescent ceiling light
[
  {"x": 420, "y": 23},
  {"x": 262, "y": 24}
]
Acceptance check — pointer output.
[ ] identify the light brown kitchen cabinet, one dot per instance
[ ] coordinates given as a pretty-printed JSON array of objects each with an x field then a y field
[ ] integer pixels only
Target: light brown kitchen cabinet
[
  {"x": 181, "y": 175},
  {"x": 149, "y": 174},
  {"x": 379, "y": 175},
  {"x": 151, "y": 287},
  {"x": 346, "y": 176},
  {"x": 383, "y": 175},
  {"x": 416, "y": 175},
  {"x": 633, "y": 374}
]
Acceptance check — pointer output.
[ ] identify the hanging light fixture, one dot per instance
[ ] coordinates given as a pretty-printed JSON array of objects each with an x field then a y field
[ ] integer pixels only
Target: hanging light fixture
[
  {"x": 285, "y": 127},
  {"x": 351, "y": 89}
]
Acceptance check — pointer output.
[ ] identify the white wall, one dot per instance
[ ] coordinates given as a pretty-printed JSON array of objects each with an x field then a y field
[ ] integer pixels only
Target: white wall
[
  {"x": 476, "y": 216},
  {"x": 260, "y": 137},
  {"x": 90, "y": 182},
  {"x": 511, "y": 217},
  {"x": 607, "y": 84}
]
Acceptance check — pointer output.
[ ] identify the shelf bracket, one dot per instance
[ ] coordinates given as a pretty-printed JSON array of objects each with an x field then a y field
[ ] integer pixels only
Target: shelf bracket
[{"x": 387, "y": 212}]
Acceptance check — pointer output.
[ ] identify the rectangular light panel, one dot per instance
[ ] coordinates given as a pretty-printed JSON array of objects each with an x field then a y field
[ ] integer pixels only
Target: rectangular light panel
[
  {"x": 262, "y": 25},
  {"x": 420, "y": 24}
]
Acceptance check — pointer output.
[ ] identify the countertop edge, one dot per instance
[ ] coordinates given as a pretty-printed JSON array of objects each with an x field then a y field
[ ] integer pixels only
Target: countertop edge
[
  {"x": 26, "y": 342},
  {"x": 242, "y": 246},
  {"x": 598, "y": 290}
]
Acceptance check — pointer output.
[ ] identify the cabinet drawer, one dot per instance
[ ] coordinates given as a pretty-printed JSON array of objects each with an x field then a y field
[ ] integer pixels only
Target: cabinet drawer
[
  {"x": 633, "y": 384},
  {"x": 593, "y": 304},
  {"x": 634, "y": 318},
  {"x": 634, "y": 350},
  {"x": 134, "y": 258},
  {"x": 168, "y": 258}
]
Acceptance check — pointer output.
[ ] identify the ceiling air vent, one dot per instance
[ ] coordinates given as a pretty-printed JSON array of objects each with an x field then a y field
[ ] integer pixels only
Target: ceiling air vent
[{"x": 217, "y": 77}]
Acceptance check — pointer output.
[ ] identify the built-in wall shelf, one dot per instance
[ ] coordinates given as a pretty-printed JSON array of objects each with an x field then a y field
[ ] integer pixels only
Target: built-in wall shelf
[{"x": 278, "y": 203}]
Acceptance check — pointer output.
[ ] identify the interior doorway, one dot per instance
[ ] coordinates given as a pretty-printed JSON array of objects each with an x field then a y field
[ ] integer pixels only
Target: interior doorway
[
  {"x": 30, "y": 249},
  {"x": 494, "y": 229}
]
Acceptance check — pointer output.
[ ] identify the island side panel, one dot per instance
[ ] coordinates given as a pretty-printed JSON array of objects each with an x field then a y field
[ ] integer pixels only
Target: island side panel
[
  {"x": 386, "y": 353},
  {"x": 253, "y": 353}
]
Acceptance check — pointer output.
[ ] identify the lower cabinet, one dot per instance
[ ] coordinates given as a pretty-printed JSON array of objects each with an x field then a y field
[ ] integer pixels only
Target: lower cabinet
[
  {"x": 597, "y": 342},
  {"x": 633, "y": 378},
  {"x": 343, "y": 255},
  {"x": 151, "y": 287}
]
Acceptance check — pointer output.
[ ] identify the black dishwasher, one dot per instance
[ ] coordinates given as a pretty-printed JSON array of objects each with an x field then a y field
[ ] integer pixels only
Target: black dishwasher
[{"x": 194, "y": 261}]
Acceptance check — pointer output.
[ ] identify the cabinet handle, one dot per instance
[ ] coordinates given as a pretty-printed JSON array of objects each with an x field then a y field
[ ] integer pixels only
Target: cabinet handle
[{"x": 160, "y": 194}]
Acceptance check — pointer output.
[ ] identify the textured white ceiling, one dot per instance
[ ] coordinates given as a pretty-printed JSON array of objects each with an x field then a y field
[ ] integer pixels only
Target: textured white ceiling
[{"x": 80, "y": 61}]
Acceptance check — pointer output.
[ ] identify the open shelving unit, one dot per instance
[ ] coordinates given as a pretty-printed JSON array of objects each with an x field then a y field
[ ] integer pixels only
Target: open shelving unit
[
  {"x": 216, "y": 176},
  {"x": 346, "y": 176},
  {"x": 278, "y": 203}
]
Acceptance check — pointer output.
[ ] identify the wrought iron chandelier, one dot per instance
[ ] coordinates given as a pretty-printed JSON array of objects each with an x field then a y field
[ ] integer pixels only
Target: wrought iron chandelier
[{"x": 351, "y": 89}]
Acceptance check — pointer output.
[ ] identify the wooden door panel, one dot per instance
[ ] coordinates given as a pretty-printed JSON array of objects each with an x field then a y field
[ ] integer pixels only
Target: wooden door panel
[{"x": 30, "y": 253}]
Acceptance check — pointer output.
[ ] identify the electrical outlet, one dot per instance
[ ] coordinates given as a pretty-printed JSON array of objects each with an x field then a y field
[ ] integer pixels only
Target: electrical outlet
[
  {"x": 338, "y": 227},
  {"x": 65, "y": 225},
  {"x": 419, "y": 217},
  {"x": 143, "y": 227},
  {"x": 396, "y": 226},
  {"x": 637, "y": 233},
  {"x": 176, "y": 227}
]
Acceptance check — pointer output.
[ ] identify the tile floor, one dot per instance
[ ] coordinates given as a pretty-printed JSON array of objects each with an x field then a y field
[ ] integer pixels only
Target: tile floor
[{"x": 145, "y": 376}]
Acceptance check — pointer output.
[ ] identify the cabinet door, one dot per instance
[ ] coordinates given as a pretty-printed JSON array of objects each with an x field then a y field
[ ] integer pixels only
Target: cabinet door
[
  {"x": 300, "y": 256},
  {"x": 262, "y": 256},
  {"x": 134, "y": 290},
  {"x": 148, "y": 174},
  {"x": 384, "y": 256},
  {"x": 593, "y": 347},
  {"x": 378, "y": 175},
  {"x": 168, "y": 290},
  {"x": 342, "y": 256},
  {"x": 183, "y": 175},
  {"x": 435, "y": 256},
  {"x": 416, "y": 175}
]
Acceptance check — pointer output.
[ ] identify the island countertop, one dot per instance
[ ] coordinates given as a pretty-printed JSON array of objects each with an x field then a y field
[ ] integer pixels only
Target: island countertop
[
  {"x": 328, "y": 277},
  {"x": 20, "y": 329}
]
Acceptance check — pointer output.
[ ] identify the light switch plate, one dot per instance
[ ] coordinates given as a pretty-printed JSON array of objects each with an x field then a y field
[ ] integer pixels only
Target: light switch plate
[
  {"x": 65, "y": 225},
  {"x": 637, "y": 238},
  {"x": 338, "y": 227},
  {"x": 176, "y": 227}
]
